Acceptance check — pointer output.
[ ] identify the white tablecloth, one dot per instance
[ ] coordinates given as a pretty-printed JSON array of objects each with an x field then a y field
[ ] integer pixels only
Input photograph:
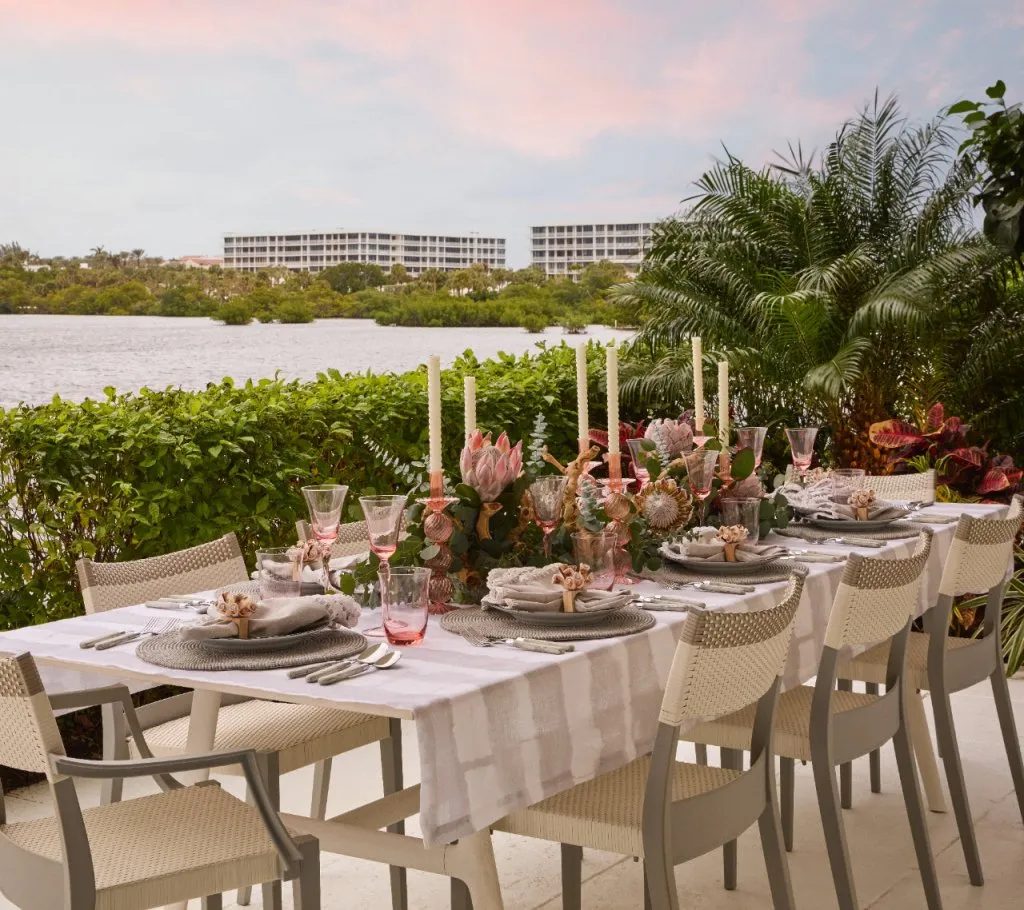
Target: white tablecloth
[{"x": 498, "y": 728}]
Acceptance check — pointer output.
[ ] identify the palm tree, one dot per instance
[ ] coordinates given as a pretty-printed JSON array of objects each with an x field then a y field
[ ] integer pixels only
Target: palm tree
[
  {"x": 824, "y": 284},
  {"x": 137, "y": 255}
]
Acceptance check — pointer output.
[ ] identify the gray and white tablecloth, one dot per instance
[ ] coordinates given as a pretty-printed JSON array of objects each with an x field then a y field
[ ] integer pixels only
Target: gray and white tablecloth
[{"x": 499, "y": 728}]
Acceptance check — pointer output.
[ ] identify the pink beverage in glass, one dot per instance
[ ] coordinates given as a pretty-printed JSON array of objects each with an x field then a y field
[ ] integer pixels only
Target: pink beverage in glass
[
  {"x": 404, "y": 595},
  {"x": 325, "y": 503},
  {"x": 801, "y": 444},
  {"x": 752, "y": 438}
]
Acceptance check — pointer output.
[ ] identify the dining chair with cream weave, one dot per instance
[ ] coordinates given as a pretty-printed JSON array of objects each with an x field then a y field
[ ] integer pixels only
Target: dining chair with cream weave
[
  {"x": 286, "y": 736},
  {"x": 917, "y": 487},
  {"x": 978, "y": 562},
  {"x": 666, "y": 811},
  {"x": 179, "y": 844},
  {"x": 876, "y": 601}
]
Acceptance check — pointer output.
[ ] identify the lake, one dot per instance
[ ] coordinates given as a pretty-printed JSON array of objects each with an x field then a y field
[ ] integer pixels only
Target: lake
[{"x": 76, "y": 357}]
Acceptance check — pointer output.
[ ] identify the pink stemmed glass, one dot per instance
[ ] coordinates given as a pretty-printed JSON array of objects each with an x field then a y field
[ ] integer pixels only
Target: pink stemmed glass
[
  {"x": 700, "y": 472},
  {"x": 325, "y": 503},
  {"x": 383, "y": 516},
  {"x": 752, "y": 438},
  {"x": 639, "y": 455},
  {"x": 547, "y": 493},
  {"x": 801, "y": 444}
]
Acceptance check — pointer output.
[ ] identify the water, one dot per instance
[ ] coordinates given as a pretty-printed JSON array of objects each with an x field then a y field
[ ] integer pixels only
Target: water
[{"x": 76, "y": 357}]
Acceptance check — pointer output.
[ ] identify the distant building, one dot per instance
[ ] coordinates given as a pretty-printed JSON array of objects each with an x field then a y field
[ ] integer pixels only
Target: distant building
[
  {"x": 557, "y": 248},
  {"x": 314, "y": 252},
  {"x": 197, "y": 262}
]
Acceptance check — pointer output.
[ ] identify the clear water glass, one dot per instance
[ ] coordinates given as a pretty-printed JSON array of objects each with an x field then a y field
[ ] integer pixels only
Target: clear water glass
[
  {"x": 404, "y": 600},
  {"x": 801, "y": 445},
  {"x": 639, "y": 456},
  {"x": 325, "y": 503},
  {"x": 547, "y": 494},
  {"x": 383, "y": 516},
  {"x": 752, "y": 438},
  {"x": 597, "y": 550},
  {"x": 845, "y": 481},
  {"x": 746, "y": 512},
  {"x": 278, "y": 572}
]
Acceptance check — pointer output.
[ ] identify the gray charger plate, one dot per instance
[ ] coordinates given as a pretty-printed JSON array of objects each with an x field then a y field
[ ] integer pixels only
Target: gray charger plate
[
  {"x": 852, "y": 524},
  {"x": 713, "y": 567},
  {"x": 586, "y": 618},
  {"x": 257, "y": 645}
]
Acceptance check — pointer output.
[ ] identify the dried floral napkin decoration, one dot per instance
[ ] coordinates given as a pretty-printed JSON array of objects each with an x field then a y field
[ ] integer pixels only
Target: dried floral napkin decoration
[
  {"x": 731, "y": 537},
  {"x": 572, "y": 579}
]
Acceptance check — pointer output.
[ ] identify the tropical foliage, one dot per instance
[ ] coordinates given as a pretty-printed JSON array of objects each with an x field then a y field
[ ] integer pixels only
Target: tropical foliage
[{"x": 842, "y": 289}]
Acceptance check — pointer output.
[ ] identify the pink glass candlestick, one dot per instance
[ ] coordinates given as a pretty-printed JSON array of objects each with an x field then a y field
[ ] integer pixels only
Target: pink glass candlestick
[{"x": 437, "y": 528}]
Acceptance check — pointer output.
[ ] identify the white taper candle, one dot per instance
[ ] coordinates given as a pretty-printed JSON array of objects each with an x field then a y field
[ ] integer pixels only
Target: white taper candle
[
  {"x": 698, "y": 384},
  {"x": 582, "y": 404},
  {"x": 613, "y": 399},
  {"x": 723, "y": 402},
  {"x": 434, "y": 410},
  {"x": 469, "y": 388}
]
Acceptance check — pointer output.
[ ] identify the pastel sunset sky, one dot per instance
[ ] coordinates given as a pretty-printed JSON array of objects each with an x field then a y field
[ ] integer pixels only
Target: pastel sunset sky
[{"x": 163, "y": 123}]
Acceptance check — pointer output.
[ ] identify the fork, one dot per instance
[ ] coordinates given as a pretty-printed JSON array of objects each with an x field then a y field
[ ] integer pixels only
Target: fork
[
  {"x": 719, "y": 587},
  {"x": 478, "y": 640},
  {"x": 153, "y": 627}
]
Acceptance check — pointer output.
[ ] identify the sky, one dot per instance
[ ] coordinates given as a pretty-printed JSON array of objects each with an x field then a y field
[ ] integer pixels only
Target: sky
[{"x": 162, "y": 124}]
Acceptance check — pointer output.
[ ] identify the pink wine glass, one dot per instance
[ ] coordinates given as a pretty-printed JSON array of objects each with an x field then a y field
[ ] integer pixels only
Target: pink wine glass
[
  {"x": 383, "y": 516},
  {"x": 752, "y": 438},
  {"x": 700, "y": 471},
  {"x": 325, "y": 503},
  {"x": 801, "y": 444},
  {"x": 547, "y": 493}
]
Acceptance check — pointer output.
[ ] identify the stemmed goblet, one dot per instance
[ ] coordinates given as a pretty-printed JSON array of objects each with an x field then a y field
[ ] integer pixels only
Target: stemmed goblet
[
  {"x": 752, "y": 438},
  {"x": 801, "y": 444},
  {"x": 325, "y": 503},
  {"x": 547, "y": 493},
  {"x": 700, "y": 473},
  {"x": 639, "y": 455},
  {"x": 383, "y": 516}
]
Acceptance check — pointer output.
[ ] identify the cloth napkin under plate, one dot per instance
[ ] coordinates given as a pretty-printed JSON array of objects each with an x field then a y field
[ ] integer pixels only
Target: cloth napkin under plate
[
  {"x": 282, "y": 616},
  {"x": 715, "y": 552}
]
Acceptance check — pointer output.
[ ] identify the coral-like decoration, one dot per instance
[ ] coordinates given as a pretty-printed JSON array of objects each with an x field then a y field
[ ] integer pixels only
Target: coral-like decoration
[
  {"x": 665, "y": 506},
  {"x": 310, "y": 551},
  {"x": 862, "y": 499},
  {"x": 489, "y": 467},
  {"x": 734, "y": 534},
  {"x": 576, "y": 475},
  {"x": 235, "y": 606},
  {"x": 572, "y": 579}
]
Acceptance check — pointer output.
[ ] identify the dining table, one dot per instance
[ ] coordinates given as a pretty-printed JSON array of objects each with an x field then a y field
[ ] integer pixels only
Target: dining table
[{"x": 498, "y": 728}]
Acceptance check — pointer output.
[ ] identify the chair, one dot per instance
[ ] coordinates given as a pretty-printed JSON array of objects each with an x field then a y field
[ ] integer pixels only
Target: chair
[
  {"x": 666, "y": 811},
  {"x": 179, "y": 844},
  {"x": 978, "y": 561},
  {"x": 875, "y": 601},
  {"x": 287, "y": 736},
  {"x": 901, "y": 487}
]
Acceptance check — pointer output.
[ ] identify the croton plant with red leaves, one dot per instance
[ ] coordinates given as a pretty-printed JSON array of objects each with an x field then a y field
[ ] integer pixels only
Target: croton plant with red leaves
[
  {"x": 970, "y": 470},
  {"x": 626, "y": 431}
]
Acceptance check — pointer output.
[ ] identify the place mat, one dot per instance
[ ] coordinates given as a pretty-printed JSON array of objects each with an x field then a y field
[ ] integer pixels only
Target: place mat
[
  {"x": 498, "y": 625},
  {"x": 169, "y": 650},
  {"x": 896, "y": 531},
  {"x": 776, "y": 570}
]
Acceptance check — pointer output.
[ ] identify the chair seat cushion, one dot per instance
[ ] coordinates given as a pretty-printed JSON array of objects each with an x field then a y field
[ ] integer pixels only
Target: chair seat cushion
[
  {"x": 164, "y": 848},
  {"x": 300, "y": 734},
  {"x": 871, "y": 665},
  {"x": 605, "y": 813},
  {"x": 792, "y": 722}
]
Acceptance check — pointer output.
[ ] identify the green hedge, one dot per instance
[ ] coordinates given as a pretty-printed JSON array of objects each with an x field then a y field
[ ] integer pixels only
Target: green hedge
[{"x": 143, "y": 474}]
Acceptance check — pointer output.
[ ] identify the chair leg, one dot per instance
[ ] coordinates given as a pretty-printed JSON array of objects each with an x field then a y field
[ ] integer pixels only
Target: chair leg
[
  {"x": 306, "y": 888},
  {"x": 875, "y": 758},
  {"x": 115, "y": 747},
  {"x": 391, "y": 775},
  {"x": 772, "y": 845},
  {"x": 835, "y": 836},
  {"x": 787, "y": 787},
  {"x": 659, "y": 882},
  {"x": 845, "y": 769},
  {"x": 732, "y": 759},
  {"x": 647, "y": 892},
  {"x": 572, "y": 877},
  {"x": 269, "y": 767},
  {"x": 321, "y": 786},
  {"x": 924, "y": 751},
  {"x": 702, "y": 753},
  {"x": 945, "y": 732},
  {"x": 1004, "y": 709},
  {"x": 916, "y": 817},
  {"x": 212, "y": 902}
]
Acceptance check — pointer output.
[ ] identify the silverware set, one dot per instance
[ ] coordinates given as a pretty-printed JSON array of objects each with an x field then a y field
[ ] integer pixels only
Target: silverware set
[
  {"x": 327, "y": 672},
  {"x": 479, "y": 640},
  {"x": 664, "y": 602},
  {"x": 179, "y": 602},
  {"x": 113, "y": 639}
]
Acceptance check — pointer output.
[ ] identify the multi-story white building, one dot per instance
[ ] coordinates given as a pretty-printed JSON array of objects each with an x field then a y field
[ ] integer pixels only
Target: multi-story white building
[
  {"x": 558, "y": 248},
  {"x": 314, "y": 251}
]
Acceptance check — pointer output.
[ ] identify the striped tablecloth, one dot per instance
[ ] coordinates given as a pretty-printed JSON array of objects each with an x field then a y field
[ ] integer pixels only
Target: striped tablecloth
[{"x": 498, "y": 728}]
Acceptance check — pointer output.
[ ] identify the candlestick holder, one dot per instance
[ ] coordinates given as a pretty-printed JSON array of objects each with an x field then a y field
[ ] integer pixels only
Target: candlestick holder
[
  {"x": 619, "y": 506},
  {"x": 437, "y": 528}
]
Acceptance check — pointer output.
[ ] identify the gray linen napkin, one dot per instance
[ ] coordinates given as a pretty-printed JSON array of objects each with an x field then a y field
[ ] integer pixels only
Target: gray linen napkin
[
  {"x": 282, "y": 616},
  {"x": 880, "y": 510},
  {"x": 715, "y": 552}
]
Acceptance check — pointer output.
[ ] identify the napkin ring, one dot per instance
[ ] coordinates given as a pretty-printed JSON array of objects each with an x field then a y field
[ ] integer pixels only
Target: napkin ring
[
  {"x": 569, "y": 601},
  {"x": 862, "y": 513},
  {"x": 243, "y": 626},
  {"x": 730, "y": 551}
]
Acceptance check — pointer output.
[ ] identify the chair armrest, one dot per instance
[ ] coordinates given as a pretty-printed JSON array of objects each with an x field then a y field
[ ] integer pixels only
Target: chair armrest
[
  {"x": 161, "y": 768},
  {"x": 88, "y": 698}
]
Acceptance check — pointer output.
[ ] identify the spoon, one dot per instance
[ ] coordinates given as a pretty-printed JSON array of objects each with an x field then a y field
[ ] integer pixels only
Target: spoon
[
  {"x": 314, "y": 671},
  {"x": 386, "y": 662}
]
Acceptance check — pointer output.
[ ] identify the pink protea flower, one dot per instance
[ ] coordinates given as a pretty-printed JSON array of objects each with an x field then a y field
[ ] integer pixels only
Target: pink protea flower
[
  {"x": 675, "y": 435},
  {"x": 489, "y": 468}
]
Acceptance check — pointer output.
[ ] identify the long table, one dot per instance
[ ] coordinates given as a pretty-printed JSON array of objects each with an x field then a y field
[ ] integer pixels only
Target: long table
[{"x": 498, "y": 729}]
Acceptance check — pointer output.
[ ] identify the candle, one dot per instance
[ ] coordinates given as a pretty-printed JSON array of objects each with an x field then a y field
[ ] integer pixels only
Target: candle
[
  {"x": 723, "y": 402},
  {"x": 434, "y": 410},
  {"x": 698, "y": 384},
  {"x": 612, "y": 361},
  {"x": 469, "y": 387},
  {"x": 582, "y": 405}
]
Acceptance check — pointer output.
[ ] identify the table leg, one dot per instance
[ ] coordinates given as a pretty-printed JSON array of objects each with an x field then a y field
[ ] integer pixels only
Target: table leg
[{"x": 924, "y": 751}]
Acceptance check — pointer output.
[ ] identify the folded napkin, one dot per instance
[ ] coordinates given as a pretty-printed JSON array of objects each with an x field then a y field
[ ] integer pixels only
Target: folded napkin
[
  {"x": 880, "y": 510},
  {"x": 715, "y": 552},
  {"x": 284, "y": 572},
  {"x": 532, "y": 590},
  {"x": 282, "y": 616}
]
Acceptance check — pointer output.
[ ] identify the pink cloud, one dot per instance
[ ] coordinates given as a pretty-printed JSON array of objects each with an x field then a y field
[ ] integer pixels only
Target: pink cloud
[{"x": 538, "y": 77}]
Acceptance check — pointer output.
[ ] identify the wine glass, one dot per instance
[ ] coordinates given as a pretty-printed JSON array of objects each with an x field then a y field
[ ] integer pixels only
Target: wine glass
[
  {"x": 325, "y": 502},
  {"x": 801, "y": 444},
  {"x": 700, "y": 472},
  {"x": 547, "y": 494},
  {"x": 639, "y": 456},
  {"x": 383, "y": 516},
  {"x": 752, "y": 438}
]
